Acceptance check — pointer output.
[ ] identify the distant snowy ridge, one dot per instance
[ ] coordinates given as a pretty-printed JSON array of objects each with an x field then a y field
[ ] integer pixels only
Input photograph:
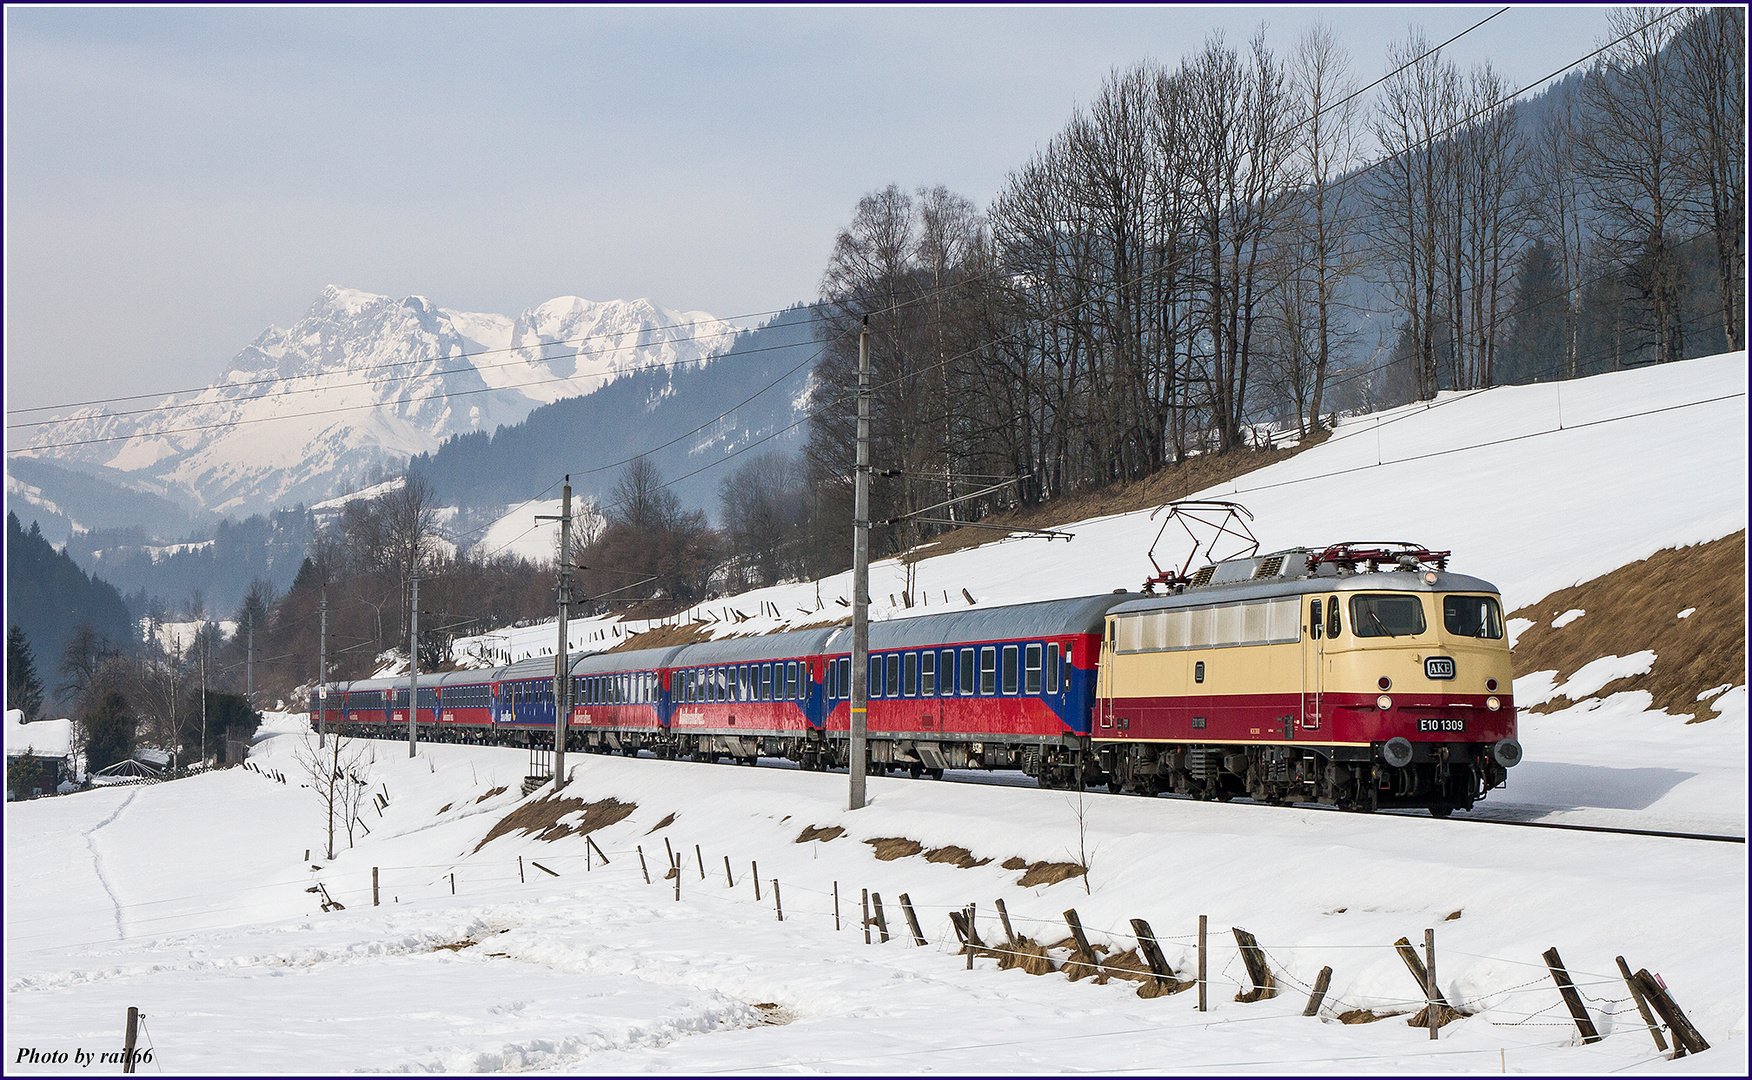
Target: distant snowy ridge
[{"x": 365, "y": 380}]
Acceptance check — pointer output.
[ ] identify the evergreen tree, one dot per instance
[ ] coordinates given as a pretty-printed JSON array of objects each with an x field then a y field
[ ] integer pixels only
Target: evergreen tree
[
  {"x": 24, "y": 689},
  {"x": 1534, "y": 349},
  {"x": 109, "y": 732}
]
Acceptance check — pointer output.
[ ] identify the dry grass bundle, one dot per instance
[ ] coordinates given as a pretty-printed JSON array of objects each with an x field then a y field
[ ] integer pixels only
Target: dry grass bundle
[
  {"x": 889, "y": 848},
  {"x": 664, "y": 824},
  {"x": 543, "y": 817},
  {"x": 811, "y": 832},
  {"x": 490, "y": 794},
  {"x": 1048, "y": 873},
  {"x": 1027, "y": 954},
  {"x": 1365, "y": 1016},
  {"x": 959, "y": 856}
]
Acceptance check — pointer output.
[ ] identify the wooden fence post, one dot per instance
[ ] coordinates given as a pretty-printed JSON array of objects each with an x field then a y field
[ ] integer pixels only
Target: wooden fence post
[
  {"x": 881, "y": 922},
  {"x": 754, "y": 873},
  {"x": 675, "y": 868},
  {"x": 1253, "y": 959},
  {"x": 778, "y": 905},
  {"x": 1201, "y": 963},
  {"x": 520, "y": 865},
  {"x": 912, "y": 920},
  {"x": 1570, "y": 998},
  {"x": 836, "y": 919},
  {"x": 374, "y": 895},
  {"x": 128, "y": 1039},
  {"x": 1685, "y": 1037},
  {"x": 702, "y": 860},
  {"x": 1321, "y": 982},
  {"x": 1642, "y": 1005},
  {"x": 1439, "y": 1011},
  {"x": 673, "y": 861},
  {"x": 866, "y": 916},
  {"x": 600, "y": 854},
  {"x": 642, "y": 867},
  {"x": 1152, "y": 951},
  {"x": 729, "y": 881},
  {"x": 1432, "y": 987},
  {"x": 1004, "y": 917}
]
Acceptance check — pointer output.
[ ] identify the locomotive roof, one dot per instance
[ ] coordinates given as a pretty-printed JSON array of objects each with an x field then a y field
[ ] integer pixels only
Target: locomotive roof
[{"x": 1374, "y": 581}]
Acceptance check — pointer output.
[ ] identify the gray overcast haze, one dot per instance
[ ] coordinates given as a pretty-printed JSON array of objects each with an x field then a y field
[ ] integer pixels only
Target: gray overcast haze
[{"x": 179, "y": 178}]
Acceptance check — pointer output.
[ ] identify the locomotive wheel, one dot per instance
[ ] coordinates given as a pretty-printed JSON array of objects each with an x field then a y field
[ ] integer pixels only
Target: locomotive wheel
[
  {"x": 935, "y": 774},
  {"x": 1114, "y": 787},
  {"x": 1441, "y": 811},
  {"x": 915, "y": 771}
]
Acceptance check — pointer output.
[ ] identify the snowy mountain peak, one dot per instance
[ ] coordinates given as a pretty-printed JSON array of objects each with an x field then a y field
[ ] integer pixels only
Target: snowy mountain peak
[{"x": 364, "y": 380}]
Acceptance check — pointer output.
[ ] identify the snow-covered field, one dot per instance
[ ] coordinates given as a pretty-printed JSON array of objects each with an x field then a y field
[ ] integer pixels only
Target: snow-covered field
[{"x": 190, "y": 901}]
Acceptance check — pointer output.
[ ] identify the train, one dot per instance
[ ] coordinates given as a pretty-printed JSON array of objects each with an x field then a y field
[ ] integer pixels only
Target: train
[{"x": 1362, "y": 676}]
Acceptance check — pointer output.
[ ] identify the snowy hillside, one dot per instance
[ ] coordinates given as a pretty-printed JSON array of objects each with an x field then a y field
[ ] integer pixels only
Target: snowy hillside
[
  {"x": 1533, "y": 488},
  {"x": 365, "y": 380},
  {"x": 503, "y": 941}
]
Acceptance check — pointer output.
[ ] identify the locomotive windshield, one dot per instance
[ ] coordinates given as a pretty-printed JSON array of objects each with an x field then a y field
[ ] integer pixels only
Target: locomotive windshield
[
  {"x": 1386, "y": 615},
  {"x": 1472, "y": 616}
]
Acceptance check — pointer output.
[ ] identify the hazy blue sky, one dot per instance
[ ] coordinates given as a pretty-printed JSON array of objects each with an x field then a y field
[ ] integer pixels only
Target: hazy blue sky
[{"x": 179, "y": 178}]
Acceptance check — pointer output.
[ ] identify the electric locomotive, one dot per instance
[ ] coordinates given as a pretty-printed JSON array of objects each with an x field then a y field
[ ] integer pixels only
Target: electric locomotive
[{"x": 1361, "y": 676}]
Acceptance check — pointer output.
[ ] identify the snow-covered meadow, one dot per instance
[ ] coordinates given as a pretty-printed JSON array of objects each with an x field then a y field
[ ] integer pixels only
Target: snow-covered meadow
[{"x": 190, "y": 900}]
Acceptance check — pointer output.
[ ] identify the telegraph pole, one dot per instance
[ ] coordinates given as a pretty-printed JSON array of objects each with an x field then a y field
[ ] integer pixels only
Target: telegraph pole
[
  {"x": 322, "y": 675},
  {"x": 414, "y": 663},
  {"x": 203, "y": 694},
  {"x": 861, "y": 576},
  {"x": 562, "y": 669},
  {"x": 249, "y": 660}
]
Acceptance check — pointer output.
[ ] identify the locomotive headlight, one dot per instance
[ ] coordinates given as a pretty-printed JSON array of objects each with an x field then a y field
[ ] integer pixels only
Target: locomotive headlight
[
  {"x": 1384, "y": 702},
  {"x": 1384, "y": 683},
  {"x": 1430, "y": 578},
  {"x": 1492, "y": 703}
]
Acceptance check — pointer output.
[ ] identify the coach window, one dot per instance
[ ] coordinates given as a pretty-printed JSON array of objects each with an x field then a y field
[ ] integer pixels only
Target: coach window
[
  {"x": 893, "y": 675},
  {"x": 1031, "y": 670},
  {"x": 988, "y": 670},
  {"x": 967, "y": 686},
  {"x": 873, "y": 670},
  {"x": 1052, "y": 668},
  {"x": 928, "y": 673},
  {"x": 845, "y": 680},
  {"x": 911, "y": 660}
]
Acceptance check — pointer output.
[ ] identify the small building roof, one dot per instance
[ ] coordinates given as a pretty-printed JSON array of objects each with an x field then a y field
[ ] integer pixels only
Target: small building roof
[{"x": 39, "y": 738}]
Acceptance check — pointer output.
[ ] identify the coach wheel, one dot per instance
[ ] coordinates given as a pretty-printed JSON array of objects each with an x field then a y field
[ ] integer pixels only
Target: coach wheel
[
  {"x": 1114, "y": 787},
  {"x": 915, "y": 771},
  {"x": 1441, "y": 811}
]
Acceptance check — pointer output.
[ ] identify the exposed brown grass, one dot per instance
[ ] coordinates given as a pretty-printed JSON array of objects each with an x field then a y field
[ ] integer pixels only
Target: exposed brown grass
[
  {"x": 543, "y": 816},
  {"x": 665, "y": 636},
  {"x": 456, "y": 946},
  {"x": 667, "y": 821},
  {"x": 1049, "y": 873},
  {"x": 1027, "y": 954},
  {"x": 1014, "y": 862},
  {"x": 811, "y": 832},
  {"x": 1365, "y": 1016},
  {"x": 889, "y": 848},
  {"x": 1173, "y": 482},
  {"x": 959, "y": 856},
  {"x": 490, "y": 794},
  {"x": 1635, "y": 607},
  {"x": 442, "y": 810}
]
